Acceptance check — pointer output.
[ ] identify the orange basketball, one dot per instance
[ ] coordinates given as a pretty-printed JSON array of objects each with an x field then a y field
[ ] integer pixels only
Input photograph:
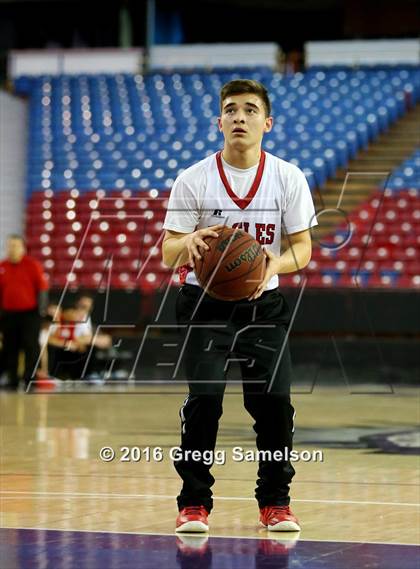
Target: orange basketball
[{"x": 233, "y": 267}]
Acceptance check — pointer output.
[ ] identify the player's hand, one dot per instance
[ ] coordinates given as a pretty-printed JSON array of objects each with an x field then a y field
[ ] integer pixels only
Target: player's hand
[
  {"x": 195, "y": 241},
  {"x": 272, "y": 268}
]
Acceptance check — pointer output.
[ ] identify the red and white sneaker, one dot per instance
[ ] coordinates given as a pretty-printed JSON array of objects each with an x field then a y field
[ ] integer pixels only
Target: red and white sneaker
[
  {"x": 192, "y": 519},
  {"x": 279, "y": 518}
]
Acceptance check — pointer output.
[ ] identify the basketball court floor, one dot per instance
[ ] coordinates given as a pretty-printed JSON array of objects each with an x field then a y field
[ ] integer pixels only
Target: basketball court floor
[{"x": 63, "y": 506}]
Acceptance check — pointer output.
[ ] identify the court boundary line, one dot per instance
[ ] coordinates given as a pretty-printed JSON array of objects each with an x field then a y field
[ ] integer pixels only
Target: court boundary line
[
  {"x": 12, "y": 493},
  {"x": 268, "y": 535}
]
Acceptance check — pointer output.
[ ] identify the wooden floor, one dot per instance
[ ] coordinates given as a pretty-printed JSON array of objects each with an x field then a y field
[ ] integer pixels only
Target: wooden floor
[{"x": 52, "y": 476}]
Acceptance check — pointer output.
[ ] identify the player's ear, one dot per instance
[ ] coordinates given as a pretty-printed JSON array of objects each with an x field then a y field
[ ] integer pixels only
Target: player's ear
[
  {"x": 219, "y": 123},
  {"x": 268, "y": 124}
]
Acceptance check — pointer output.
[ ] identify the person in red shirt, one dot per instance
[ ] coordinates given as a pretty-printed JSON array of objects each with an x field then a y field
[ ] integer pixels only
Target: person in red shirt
[{"x": 23, "y": 298}]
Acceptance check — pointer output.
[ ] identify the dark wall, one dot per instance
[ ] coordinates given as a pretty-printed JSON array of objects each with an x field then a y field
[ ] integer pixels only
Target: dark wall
[
  {"x": 353, "y": 337},
  {"x": 95, "y": 23},
  {"x": 357, "y": 312},
  {"x": 66, "y": 23},
  {"x": 287, "y": 27},
  {"x": 385, "y": 19}
]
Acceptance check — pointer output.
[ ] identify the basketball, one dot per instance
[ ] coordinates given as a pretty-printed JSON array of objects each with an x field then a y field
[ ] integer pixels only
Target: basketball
[{"x": 233, "y": 267}]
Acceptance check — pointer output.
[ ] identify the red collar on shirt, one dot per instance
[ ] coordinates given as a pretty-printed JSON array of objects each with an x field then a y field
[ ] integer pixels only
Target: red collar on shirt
[{"x": 241, "y": 202}]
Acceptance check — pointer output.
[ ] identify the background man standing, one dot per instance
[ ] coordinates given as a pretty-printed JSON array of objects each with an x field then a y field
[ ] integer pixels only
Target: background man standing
[{"x": 23, "y": 297}]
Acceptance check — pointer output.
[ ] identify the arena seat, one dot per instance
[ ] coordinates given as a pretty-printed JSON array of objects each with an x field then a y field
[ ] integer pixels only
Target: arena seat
[{"x": 107, "y": 149}]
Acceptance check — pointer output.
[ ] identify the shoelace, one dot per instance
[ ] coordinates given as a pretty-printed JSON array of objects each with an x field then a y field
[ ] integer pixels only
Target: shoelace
[
  {"x": 279, "y": 510},
  {"x": 193, "y": 509}
]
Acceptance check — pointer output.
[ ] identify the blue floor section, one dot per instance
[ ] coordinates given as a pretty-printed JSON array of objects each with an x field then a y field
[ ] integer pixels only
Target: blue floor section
[{"x": 42, "y": 549}]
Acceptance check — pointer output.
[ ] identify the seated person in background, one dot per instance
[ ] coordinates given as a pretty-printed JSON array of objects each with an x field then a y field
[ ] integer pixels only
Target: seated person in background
[
  {"x": 84, "y": 305},
  {"x": 68, "y": 344}
]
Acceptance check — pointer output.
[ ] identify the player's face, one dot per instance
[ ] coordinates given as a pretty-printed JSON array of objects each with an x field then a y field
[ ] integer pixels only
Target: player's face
[
  {"x": 15, "y": 249},
  {"x": 69, "y": 315},
  {"x": 243, "y": 120},
  {"x": 85, "y": 304}
]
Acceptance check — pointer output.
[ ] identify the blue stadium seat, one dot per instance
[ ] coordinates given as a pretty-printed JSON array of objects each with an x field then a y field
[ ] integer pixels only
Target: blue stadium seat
[{"x": 102, "y": 131}]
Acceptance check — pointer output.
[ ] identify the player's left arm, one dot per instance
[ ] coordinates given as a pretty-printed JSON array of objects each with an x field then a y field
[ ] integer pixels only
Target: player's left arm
[{"x": 295, "y": 258}]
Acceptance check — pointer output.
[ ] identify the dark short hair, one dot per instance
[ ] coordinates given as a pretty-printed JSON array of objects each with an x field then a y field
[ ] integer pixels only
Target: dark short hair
[
  {"x": 240, "y": 86},
  {"x": 85, "y": 294},
  {"x": 17, "y": 236}
]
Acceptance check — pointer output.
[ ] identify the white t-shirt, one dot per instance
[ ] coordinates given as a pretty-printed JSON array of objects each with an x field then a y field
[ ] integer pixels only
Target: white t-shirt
[
  {"x": 265, "y": 200},
  {"x": 67, "y": 331},
  {"x": 240, "y": 180}
]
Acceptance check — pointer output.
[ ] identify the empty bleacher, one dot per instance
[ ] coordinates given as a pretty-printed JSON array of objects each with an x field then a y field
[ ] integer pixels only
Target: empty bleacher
[{"x": 105, "y": 150}]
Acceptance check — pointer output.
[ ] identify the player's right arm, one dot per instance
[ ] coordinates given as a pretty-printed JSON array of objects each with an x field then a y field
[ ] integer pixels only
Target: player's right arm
[{"x": 181, "y": 248}]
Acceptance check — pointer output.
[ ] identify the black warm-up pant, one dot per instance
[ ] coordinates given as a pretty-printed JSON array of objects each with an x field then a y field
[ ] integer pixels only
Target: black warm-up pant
[
  {"x": 20, "y": 333},
  {"x": 65, "y": 364},
  {"x": 253, "y": 333}
]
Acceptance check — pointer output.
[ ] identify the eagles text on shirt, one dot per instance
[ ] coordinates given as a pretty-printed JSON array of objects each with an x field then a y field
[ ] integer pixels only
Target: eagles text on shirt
[{"x": 265, "y": 200}]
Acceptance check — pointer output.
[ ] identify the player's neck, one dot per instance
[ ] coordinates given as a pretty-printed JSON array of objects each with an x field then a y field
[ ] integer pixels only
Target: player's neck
[{"x": 241, "y": 158}]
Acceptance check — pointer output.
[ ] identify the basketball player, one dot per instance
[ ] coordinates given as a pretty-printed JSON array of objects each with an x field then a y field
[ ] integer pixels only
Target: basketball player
[{"x": 240, "y": 186}]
